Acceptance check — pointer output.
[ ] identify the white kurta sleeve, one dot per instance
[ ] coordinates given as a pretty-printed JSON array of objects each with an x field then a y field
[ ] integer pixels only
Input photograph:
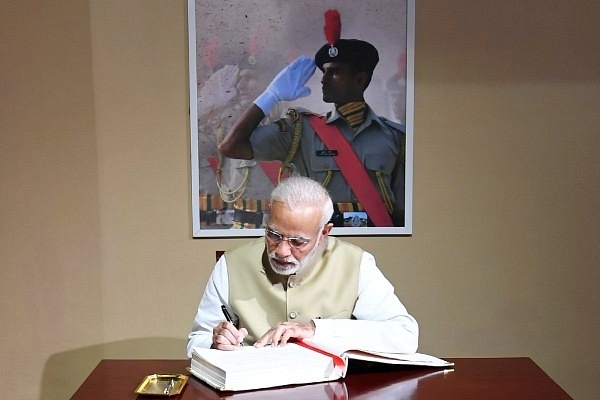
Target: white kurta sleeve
[
  {"x": 209, "y": 311},
  {"x": 381, "y": 322}
]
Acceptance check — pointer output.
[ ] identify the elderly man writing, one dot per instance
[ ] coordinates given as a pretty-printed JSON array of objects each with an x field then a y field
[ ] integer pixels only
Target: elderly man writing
[{"x": 298, "y": 282}]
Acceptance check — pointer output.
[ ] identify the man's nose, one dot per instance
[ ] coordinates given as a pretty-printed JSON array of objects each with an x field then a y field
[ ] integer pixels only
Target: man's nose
[{"x": 283, "y": 249}]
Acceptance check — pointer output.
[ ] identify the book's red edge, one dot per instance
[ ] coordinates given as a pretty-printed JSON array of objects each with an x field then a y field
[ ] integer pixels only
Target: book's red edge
[{"x": 337, "y": 360}]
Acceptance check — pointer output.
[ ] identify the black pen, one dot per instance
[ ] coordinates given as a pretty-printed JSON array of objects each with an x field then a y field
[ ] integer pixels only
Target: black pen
[{"x": 228, "y": 316}]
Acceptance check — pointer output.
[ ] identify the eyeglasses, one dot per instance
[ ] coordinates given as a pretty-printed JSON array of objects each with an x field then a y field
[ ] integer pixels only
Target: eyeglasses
[{"x": 274, "y": 237}]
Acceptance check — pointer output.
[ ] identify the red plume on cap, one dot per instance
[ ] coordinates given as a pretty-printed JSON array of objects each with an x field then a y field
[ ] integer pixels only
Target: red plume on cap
[{"x": 333, "y": 26}]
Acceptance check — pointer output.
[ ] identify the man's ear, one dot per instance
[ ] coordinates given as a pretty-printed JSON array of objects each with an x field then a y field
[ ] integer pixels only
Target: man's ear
[
  {"x": 326, "y": 229},
  {"x": 362, "y": 79}
]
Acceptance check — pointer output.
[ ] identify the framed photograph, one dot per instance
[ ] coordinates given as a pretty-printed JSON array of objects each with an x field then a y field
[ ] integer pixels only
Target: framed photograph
[{"x": 236, "y": 48}]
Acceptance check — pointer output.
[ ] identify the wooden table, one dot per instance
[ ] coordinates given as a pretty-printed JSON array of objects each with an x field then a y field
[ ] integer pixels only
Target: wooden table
[{"x": 470, "y": 378}]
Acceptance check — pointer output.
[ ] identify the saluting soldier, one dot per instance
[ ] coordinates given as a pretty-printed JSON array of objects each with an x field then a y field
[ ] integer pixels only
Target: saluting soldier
[{"x": 356, "y": 154}]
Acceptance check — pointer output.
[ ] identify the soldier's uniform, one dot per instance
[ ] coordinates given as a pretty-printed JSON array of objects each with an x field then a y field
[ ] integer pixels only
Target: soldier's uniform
[{"x": 378, "y": 143}]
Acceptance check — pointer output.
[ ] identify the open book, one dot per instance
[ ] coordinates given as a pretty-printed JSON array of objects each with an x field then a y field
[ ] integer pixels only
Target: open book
[{"x": 302, "y": 362}]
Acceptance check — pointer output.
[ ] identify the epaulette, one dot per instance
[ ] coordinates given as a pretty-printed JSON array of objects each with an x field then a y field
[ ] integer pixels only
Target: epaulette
[{"x": 294, "y": 113}]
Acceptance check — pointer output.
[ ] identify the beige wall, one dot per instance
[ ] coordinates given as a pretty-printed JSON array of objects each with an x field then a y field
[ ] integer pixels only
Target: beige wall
[{"x": 96, "y": 254}]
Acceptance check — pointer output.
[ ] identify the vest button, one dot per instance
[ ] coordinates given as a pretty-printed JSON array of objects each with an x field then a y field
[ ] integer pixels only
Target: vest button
[
  {"x": 292, "y": 284},
  {"x": 293, "y": 315}
]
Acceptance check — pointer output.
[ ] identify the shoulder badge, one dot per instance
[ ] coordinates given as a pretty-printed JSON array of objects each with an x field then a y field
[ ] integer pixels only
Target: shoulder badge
[{"x": 293, "y": 114}]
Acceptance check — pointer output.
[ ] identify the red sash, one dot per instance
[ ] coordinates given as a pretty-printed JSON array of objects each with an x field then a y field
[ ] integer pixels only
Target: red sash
[{"x": 352, "y": 170}]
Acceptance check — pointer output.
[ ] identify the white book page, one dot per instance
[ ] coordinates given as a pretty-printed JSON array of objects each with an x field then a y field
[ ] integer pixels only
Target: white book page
[
  {"x": 399, "y": 358},
  {"x": 254, "y": 368},
  {"x": 353, "y": 350}
]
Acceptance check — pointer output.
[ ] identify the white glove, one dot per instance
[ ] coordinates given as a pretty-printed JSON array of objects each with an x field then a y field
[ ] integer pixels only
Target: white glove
[{"x": 289, "y": 84}]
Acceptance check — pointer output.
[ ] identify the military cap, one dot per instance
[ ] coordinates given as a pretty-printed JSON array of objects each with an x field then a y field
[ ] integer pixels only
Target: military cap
[{"x": 360, "y": 54}]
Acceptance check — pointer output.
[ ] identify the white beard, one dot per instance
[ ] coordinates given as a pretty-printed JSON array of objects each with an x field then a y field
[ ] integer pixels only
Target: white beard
[{"x": 297, "y": 265}]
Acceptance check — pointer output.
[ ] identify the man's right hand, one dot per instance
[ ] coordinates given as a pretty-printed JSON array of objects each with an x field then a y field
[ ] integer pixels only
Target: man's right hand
[
  {"x": 227, "y": 337},
  {"x": 289, "y": 84}
]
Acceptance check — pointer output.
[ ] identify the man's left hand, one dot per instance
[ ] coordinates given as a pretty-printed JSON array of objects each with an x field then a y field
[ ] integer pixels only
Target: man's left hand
[{"x": 281, "y": 333}]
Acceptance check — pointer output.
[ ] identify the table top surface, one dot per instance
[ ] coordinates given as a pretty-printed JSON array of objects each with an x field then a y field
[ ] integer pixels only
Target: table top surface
[{"x": 470, "y": 378}]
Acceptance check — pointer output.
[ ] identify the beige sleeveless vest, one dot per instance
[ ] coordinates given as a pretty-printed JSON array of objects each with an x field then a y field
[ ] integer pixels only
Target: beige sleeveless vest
[{"x": 328, "y": 289}]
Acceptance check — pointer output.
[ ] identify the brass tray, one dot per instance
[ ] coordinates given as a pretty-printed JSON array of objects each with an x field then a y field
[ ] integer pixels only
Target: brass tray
[{"x": 162, "y": 385}]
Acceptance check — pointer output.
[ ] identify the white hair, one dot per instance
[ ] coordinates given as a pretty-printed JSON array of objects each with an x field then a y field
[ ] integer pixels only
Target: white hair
[{"x": 298, "y": 192}]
